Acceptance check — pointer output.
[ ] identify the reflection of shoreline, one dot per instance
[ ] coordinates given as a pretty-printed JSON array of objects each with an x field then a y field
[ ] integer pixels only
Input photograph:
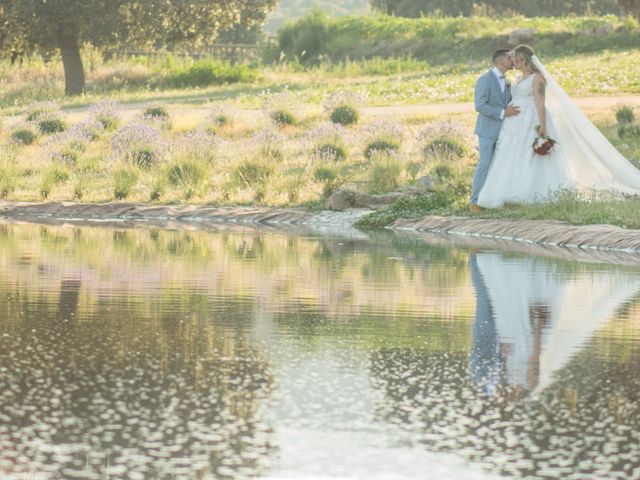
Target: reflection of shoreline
[
  {"x": 542, "y": 232},
  {"x": 593, "y": 256},
  {"x": 330, "y": 275}
]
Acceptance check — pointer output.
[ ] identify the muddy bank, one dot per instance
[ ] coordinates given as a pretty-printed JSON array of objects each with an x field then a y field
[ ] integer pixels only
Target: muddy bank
[{"x": 550, "y": 233}]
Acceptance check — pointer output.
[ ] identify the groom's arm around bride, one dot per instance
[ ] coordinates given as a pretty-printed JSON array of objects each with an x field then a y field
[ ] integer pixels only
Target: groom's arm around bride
[{"x": 491, "y": 98}]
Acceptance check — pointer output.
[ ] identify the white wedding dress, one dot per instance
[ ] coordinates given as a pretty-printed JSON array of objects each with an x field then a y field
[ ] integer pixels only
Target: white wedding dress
[
  {"x": 583, "y": 160},
  {"x": 578, "y": 303}
]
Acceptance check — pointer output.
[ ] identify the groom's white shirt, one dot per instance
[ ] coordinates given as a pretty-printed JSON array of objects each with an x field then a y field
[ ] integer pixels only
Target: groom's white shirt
[
  {"x": 503, "y": 84},
  {"x": 501, "y": 79}
]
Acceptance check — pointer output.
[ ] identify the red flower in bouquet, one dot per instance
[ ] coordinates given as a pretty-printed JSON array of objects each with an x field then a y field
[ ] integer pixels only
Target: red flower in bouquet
[{"x": 542, "y": 145}]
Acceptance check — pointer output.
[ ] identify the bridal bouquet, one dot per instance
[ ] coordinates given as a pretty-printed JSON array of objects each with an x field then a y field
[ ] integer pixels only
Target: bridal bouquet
[{"x": 542, "y": 145}]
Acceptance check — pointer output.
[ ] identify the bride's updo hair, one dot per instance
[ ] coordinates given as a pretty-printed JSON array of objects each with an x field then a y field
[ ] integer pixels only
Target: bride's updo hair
[{"x": 525, "y": 53}]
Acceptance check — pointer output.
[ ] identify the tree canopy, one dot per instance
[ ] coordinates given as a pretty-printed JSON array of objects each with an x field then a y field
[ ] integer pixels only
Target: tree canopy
[{"x": 65, "y": 24}]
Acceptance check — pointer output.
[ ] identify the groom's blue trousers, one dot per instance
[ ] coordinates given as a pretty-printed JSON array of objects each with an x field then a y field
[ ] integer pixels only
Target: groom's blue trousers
[{"x": 487, "y": 146}]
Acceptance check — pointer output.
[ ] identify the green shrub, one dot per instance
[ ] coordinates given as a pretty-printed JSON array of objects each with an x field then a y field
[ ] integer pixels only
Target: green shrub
[
  {"x": 208, "y": 72},
  {"x": 89, "y": 164},
  {"x": 124, "y": 179},
  {"x": 80, "y": 188},
  {"x": 344, "y": 115},
  {"x": 283, "y": 118},
  {"x": 39, "y": 109},
  {"x": 444, "y": 148},
  {"x": 188, "y": 175},
  {"x": 443, "y": 201},
  {"x": 442, "y": 171},
  {"x": 222, "y": 121},
  {"x": 629, "y": 131},
  {"x": 384, "y": 173},
  {"x": 109, "y": 122},
  {"x": 413, "y": 169},
  {"x": 330, "y": 152},
  {"x": 143, "y": 157},
  {"x": 158, "y": 189},
  {"x": 157, "y": 112},
  {"x": 292, "y": 186},
  {"x": 376, "y": 146},
  {"x": 69, "y": 156},
  {"x": 51, "y": 125},
  {"x": 54, "y": 175},
  {"x": 625, "y": 116},
  {"x": 329, "y": 177},
  {"x": 306, "y": 39},
  {"x": 24, "y": 136},
  {"x": 8, "y": 178},
  {"x": 251, "y": 173}
]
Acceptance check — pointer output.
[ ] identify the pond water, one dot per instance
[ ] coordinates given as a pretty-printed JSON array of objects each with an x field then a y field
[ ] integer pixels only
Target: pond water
[{"x": 149, "y": 353}]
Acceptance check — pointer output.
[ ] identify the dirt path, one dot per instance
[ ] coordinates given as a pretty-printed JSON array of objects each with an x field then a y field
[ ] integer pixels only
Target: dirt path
[
  {"x": 587, "y": 103},
  {"x": 199, "y": 112}
]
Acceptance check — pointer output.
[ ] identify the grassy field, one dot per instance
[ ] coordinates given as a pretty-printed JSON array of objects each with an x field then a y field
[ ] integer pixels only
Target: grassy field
[
  {"x": 290, "y": 154},
  {"x": 295, "y": 153},
  {"x": 383, "y": 81},
  {"x": 391, "y": 60},
  {"x": 448, "y": 41}
]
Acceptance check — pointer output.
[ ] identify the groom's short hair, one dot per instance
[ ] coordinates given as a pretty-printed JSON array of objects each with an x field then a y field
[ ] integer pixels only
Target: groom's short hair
[{"x": 499, "y": 53}]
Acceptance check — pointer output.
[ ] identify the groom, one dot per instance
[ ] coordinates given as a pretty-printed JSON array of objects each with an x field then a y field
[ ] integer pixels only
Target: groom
[{"x": 491, "y": 98}]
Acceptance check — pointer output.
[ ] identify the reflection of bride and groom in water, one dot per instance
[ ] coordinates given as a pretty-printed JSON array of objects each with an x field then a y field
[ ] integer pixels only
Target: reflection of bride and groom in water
[{"x": 532, "y": 316}]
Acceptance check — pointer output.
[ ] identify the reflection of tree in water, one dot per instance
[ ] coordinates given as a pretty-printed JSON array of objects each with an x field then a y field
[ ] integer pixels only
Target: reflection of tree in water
[
  {"x": 337, "y": 273},
  {"x": 168, "y": 393},
  {"x": 586, "y": 424}
]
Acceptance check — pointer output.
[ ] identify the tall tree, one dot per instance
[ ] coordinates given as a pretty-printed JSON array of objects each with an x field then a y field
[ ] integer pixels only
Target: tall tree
[
  {"x": 631, "y": 7},
  {"x": 66, "y": 24}
]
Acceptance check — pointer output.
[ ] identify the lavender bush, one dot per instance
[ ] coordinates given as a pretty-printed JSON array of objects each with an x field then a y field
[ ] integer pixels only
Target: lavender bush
[
  {"x": 24, "y": 133},
  {"x": 327, "y": 142},
  {"x": 443, "y": 140},
  {"x": 139, "y": 144},
  {"x": 329, "y": 177},
  {"x": 383, "y": 136},
  {"x": 343, "y": 106},
  {"x": 222, "y": 115},
  {"x": 267, "y": 144},
  {"x": 281, "y": 108},
  {"x": 50, "y": 123},
  {"x": 67, "y": 146},
  {"x": 197, "y": 145},
  {"x": 188, "y": 175},
  {"x": 38, "y": 109},
  {"x": 106, "y": 113}
]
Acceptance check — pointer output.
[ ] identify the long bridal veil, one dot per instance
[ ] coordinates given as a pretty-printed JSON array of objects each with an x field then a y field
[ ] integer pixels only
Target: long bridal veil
[
  {"x": 576, "y": 304},
  {"x": 594, "y": 163}
]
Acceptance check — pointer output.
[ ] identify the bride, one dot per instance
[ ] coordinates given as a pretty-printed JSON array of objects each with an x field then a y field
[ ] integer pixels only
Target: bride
[{"x": 582, "y": 160}]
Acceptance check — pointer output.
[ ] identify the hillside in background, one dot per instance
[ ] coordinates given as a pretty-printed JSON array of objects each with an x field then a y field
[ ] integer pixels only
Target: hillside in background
[
  {"x": 294, "y": 9},
  {"x": 450, "y": 41}
]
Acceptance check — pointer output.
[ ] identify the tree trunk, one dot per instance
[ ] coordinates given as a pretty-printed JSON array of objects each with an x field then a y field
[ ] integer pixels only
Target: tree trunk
[
  {"x": 73, "y": 69},
  {"x": 631, "y": 7}
]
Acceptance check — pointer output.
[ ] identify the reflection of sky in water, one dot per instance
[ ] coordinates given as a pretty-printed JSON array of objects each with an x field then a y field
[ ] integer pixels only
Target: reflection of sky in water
[{"x": 160, "y": 354}]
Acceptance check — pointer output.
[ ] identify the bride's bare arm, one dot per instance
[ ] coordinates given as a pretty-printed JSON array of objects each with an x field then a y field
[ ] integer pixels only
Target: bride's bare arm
[{"x": 539, "y": 92}]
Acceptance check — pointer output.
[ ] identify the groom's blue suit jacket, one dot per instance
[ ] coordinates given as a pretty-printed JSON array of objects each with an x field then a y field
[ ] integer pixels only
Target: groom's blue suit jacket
[{"x": 490, "y": 101}]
